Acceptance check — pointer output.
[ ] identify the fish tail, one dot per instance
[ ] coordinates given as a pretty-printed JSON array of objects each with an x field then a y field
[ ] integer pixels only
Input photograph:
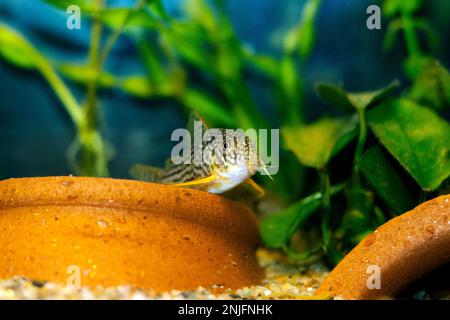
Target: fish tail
[{"x": 146, "y": 173}]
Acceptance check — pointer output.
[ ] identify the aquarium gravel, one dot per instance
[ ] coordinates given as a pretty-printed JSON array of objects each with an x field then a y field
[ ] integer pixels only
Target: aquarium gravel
[{"x": 284, "y": 279}]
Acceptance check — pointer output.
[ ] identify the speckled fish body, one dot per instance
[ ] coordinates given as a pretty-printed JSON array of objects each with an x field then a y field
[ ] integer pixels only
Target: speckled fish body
[{"x": 232, "y": 159}]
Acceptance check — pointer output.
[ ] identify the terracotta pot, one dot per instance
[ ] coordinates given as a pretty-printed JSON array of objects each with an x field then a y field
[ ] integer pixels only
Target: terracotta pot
[
  {"x": 398, "y": 252},
  {"x": 121, "y": 232}
]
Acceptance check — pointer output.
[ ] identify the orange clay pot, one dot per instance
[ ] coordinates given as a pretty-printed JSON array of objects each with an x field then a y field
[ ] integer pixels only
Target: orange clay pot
[
  {"x": 404, "y": 249},
  {"x": 121, "y": 232}
]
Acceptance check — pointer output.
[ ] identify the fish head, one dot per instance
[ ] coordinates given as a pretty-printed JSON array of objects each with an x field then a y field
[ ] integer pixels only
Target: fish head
[{"x": 234, "y": 155}]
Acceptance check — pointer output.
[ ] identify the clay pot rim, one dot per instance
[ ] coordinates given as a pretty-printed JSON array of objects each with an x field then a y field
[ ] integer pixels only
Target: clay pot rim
[
  {"x": 181, "y": 238},
  {"x": 125, "y": 194}
]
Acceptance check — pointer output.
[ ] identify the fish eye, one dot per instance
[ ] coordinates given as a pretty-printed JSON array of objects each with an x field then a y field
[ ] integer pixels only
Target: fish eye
[{"x": 226, "y": 146}]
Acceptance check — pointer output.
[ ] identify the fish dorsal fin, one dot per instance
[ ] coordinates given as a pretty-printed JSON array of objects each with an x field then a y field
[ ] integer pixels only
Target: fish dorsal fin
[{"x": 195, "y": 116}]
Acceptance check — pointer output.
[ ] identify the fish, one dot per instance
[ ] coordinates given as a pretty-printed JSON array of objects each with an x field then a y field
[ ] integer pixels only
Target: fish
[{"x": 230, "y": 159}]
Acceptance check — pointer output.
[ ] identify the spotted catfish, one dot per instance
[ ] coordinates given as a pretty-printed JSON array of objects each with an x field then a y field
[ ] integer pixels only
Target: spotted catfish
[{"x": 228, "y": 158}]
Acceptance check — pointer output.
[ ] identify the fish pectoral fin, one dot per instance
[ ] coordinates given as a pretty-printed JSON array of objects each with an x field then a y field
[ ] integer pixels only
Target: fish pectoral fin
[
  {"x": 258, "y": 189},
  {"x": 196, "y": 182}
]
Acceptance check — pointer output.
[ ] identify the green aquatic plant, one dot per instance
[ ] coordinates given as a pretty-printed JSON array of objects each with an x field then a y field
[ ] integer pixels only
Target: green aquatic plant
[
  {"x": 412, "y": 142},
  {"x": 89, "y": 153},
  {"x": 430, "y": 78},
  {"x": 408, "y": 162},
  {"x": 16, "y": 49},
  {"x": 404, "y": 18},
  {"x": 385, "y": 152},
  {"x": 170, "y": 48}
]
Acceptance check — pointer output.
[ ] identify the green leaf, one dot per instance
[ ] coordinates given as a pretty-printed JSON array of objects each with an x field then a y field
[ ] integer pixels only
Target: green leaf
[
  {"x": 315, "y": 144},
  {"x": 391, "y": 34},
  {"x": 228, "y": 62},
  {"x": 116, "y": 17},
  {"x": 385, "y": 181},
  {"x": 84, "y": 74},
  {"x": 137, "y": 85},
  {"x": 410, "y": 6},
  {"x": 306, "y": 30},
  {"x": 189, "y": 45},
  {"x": 154, "y": 66},
  {"x": 429, "y": 33},
  {"x": 301, "y": 37},
  {"x": 266, "y": 64},
  {"x": 278, "y": 228},
  {"x": 290, "y": 41},
  {"x": 335, "y": 96},
  {"x": 157, "y": 8},
  {"x": 85, "y": 5},
  {"x": 432, "y": 87},
  {"x": 286, "y": 188},
  {"x": 207, "y": 106},
  {"x": 15, "y": 49},
  {"x": 414, "y": 65},
  {"x": 202, "y": 12},
  {"x": 392, "y": 7},
  {"x": 364, "y": 100},
  {"x": 113, "y": 17},
  {"x": 357, "y": 219},
  {"x": 348, "y": 102},
  {"x": 291, "y": 88},
  {"x": 417, "y": 137}
]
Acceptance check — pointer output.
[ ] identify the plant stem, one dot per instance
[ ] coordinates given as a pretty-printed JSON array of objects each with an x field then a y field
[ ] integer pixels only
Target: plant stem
[
  {"x": 306, "y": 257},
  {"x": 412, "y": 42},
  {"x": 306, "y": 43},
  {"x": 292, "y": 89},
  {"x": 93, "y": 62},
  {"x": 301, "y": 218},
  {"x": 362, "y": 137},
  {"x": 64, "y": 94},
  {"x": 422, "y": 196},
  {"x": 93, "y": 161},
  {"x": 326, "y": 200},
  {"x": 291, "y": 82},
  {"x": 116, "y": 34},
  {"x": 333, "y": 255}
]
